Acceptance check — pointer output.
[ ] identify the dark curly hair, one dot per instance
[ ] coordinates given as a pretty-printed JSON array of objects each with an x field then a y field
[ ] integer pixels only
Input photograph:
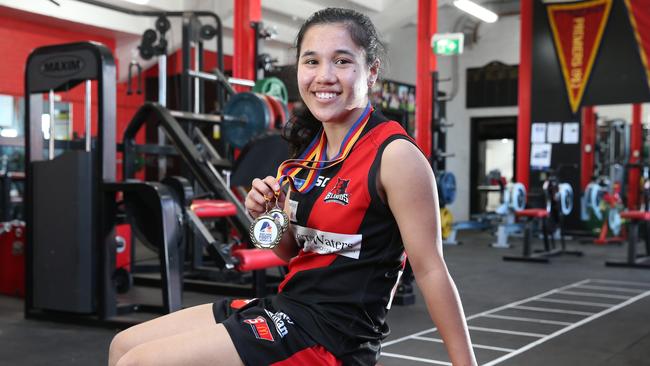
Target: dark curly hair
[{"x": 303, "y": 126}]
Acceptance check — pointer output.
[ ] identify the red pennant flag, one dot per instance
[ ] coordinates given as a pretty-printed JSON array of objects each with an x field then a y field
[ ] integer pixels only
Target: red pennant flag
[
  {"x": 577, "y": 31},
  {"x": 640, "y": 19}
]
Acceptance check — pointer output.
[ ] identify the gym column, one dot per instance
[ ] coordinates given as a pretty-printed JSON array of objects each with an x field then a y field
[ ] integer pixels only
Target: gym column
[
  {"x": 246, "y": 11},
  {"x": 425, "y": 65},
  {"x": 525, "y": 91}
]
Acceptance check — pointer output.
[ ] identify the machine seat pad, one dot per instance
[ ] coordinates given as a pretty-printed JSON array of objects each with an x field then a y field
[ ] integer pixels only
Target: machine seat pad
[
  {"x": 636, "y": 215},
  {"x": 253, "y": 259},
  {"x": 532, "y": 212},
  {"x": 210, "y": 209}
]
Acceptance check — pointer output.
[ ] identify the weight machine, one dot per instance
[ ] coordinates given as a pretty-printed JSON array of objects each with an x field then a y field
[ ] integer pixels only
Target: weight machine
[
  {"x": 71, "y": 268},
  {"x": 559, "y": 204}
]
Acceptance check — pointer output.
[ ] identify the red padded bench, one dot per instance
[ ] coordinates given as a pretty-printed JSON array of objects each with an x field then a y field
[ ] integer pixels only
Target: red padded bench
[
  {"x": 254, "y": 259},
  {"x": 213, "y": 209}
]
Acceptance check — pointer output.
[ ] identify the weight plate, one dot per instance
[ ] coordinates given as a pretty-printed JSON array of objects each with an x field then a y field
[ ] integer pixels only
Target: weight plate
[
  {"x": 566, "y": 198},
  {"x": 279, "y": 109},
  {"x": 518, "y": 199},
  {"x": 252, "y": 109},
  {"x": 446, "y": 222},
  {"x": 614, "y": 221},
  {"x": 594, "y": 196},
  {"x": 447, "y": 183},
  {"x": 269, "y": 107},
  {"x": 272, "y": 86}
]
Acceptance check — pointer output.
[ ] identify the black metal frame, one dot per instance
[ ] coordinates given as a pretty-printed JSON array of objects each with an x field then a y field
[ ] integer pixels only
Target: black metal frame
[
  {"x": 203, "y": 170},
  {"x": 92, "y": 172},
  {"x": 633, "y": 260},
  {"x": 93, "y": 62}
]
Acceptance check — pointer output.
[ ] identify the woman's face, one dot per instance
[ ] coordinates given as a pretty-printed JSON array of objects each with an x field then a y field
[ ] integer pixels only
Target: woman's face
[{"x": 333, "y": 76}]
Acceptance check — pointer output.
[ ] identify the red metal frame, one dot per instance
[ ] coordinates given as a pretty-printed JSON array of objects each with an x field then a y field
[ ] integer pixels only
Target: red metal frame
[
  {"x": 425, "y": 65},
  {"x": 634, "y": 174},
  {"x": 525, "y": 91},
  {"x": 587, "y": 146},
  {"x": 245, "y": 12}
]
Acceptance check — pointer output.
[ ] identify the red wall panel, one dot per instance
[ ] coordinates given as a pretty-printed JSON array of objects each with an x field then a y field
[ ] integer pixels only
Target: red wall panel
[{"x": 18, "y": 37}]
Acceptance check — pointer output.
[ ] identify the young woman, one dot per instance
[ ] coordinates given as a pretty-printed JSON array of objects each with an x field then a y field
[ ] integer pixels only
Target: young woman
[{"x": 354, "y": 216}]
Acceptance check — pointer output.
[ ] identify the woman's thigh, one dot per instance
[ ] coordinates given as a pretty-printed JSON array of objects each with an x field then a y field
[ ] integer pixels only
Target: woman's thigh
[
  {"x": 208, "y": 345},
  {"x": 196, "y": 317}
]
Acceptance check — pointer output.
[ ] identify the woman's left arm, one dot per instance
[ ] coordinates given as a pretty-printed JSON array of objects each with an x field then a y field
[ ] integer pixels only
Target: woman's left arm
[{"x": 410, "y": 189}]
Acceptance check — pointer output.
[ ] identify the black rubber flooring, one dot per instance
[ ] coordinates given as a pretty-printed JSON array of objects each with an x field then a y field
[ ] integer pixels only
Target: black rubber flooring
[{"x": 485, "y": 282}]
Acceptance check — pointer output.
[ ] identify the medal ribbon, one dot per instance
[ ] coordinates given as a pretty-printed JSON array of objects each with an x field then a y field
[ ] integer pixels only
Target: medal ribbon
[{"x": 313, "y": 158}]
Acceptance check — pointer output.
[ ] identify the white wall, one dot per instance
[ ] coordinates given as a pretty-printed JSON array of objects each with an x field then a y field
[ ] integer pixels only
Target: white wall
[{"x": 496, "y": 42}]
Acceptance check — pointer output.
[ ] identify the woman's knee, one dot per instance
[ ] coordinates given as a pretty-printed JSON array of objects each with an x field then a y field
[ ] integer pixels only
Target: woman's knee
[
  {"x": 120, "y": 345},
  {"x": 130, "y": 358}
]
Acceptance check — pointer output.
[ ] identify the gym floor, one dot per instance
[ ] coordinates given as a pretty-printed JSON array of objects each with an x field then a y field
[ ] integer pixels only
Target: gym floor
[{"x": 572, "y": 311}]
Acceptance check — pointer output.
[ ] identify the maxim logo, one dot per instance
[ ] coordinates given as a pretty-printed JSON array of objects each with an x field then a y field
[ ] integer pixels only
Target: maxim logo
[
  {"x": 339, "y": 193},
  {"x": 60, "y": 66},
  {"x": 323, "y": 242}
]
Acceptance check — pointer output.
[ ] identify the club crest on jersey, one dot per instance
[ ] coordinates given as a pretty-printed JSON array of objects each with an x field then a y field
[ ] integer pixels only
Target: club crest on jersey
[
  {"x": 339, "y": 193},
  {"x": 260, "y": 328}
]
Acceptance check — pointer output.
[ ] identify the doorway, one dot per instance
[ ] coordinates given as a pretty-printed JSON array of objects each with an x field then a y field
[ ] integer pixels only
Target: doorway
[{"x": 492, "y": 158}]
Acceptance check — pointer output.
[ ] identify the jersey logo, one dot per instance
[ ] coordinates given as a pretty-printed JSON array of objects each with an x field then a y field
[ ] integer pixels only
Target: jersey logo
[
  {"x": 338, "y": 194},
  {"x": 260, "y": 328},
  {"x": 323, "y": 242}
]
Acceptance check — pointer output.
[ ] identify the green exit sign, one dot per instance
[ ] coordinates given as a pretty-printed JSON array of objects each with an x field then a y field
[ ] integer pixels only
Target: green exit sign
[{"x": 447, "y": 44}]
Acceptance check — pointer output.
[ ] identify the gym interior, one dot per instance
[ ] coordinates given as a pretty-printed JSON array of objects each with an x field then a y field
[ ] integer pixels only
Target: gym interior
[{"x": 130, "y": 132}]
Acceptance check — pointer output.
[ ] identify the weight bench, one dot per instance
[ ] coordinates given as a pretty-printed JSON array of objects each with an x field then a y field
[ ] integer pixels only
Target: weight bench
[
  {"x": 532, "y": 215},
  {"x": 243, "y": 259},
  {"x": 634, "y": 260}
]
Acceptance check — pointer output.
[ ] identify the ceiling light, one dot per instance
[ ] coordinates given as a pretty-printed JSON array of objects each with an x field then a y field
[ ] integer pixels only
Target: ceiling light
[
  {"x": 138, "y": 2},
  {"x": 476, "y": 10}
]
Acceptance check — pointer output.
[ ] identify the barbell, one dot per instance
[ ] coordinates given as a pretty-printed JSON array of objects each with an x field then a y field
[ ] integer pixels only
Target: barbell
[{"x": 251, "y": 114}]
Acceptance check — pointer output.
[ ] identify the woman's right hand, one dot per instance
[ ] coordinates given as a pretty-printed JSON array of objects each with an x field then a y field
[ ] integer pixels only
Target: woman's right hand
[{"x": 256, "y": 203}]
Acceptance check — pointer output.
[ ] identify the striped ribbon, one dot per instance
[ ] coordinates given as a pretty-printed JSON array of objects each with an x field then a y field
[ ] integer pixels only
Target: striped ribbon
[{"x": 313, "y": 158}]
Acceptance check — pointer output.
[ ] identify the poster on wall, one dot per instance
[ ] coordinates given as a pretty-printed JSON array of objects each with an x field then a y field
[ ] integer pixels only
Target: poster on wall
[
  {"x": 540, "y": 156},
  {"x": 554, "y": 132},
  {"x": 577, "y": 31},
  {"x": 538, "y": 133},
  {"x": 571, "y": 133}
]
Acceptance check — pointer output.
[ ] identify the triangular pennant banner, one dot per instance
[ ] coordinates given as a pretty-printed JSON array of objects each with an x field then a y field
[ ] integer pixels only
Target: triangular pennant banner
[
  {"x": 640, "y": 19},
  {"x": 577, "y": 31}
]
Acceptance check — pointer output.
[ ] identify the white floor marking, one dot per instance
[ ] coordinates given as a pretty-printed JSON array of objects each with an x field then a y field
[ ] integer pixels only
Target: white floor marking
[
  {"x": 568, "y": 326},
  {"x": 614, "y": 289},
  {"x": 420, "y": 359},
  {"x": 438, "y": 340},
  {"x": 549, "y": 310},
  {"x": 594, "y": 294},
  {"x": 586, "y": 303},
  {"x": 629, "y": 283},
  {"x": 532, "y": 320},
  {"x": 505, "y": 331}
]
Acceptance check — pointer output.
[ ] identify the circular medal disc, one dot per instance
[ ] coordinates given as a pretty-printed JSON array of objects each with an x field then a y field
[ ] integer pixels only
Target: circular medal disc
[
  {"x": 280, "y": 217},
  {"x": 265, "y": 232}
]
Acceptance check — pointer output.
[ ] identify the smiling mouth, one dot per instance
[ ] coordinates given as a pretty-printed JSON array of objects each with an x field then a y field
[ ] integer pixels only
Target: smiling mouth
[{"x": 326, "y": 95}]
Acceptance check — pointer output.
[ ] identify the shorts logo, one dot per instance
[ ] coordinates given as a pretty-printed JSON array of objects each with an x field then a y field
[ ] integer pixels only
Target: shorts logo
[
  {"x": 280, "y": 320},
  {"x": 338, "y": 194},
  {"x": 240, "y": 303},
  {"x": 260, "y": 328}
]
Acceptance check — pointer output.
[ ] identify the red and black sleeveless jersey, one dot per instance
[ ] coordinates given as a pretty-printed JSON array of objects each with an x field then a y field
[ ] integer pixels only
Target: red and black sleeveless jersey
[{"x": 340, "y": 285}]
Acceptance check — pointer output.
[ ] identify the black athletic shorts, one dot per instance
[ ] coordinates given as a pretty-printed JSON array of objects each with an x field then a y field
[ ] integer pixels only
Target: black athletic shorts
[{"x": 265, "y": 336}]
